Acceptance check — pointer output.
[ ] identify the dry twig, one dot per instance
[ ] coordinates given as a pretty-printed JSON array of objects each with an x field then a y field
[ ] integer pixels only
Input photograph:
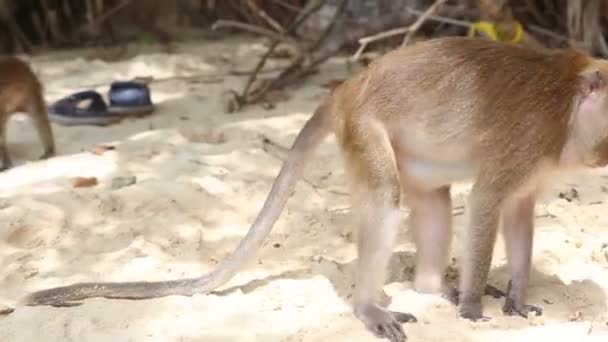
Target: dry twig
[
  {"x": 441, "y": 19},
  {"x": 243, "y": 97},
  {"x": 363, "y": 42},
  {"x": 249, "y": 28},
  {"x": 410, "y": 30},
  {"x": 262, "y": 14},
  {"x": 109, "y": 13},
  {"x": 303, "y": 65},
  {"x": 421, "y": 20}
]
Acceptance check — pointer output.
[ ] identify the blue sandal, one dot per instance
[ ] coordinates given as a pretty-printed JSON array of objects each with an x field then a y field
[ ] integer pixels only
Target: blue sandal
[
  {"x": 130, "y": 98},
  {"x": 82, "y": 108}
]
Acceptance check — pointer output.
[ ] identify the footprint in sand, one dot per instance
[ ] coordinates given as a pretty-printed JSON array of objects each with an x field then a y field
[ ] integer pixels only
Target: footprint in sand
[
  {"x": 25, "y": 237},
  {"x": 198, "y": 135},
  {"x": 30, "y": 225}
]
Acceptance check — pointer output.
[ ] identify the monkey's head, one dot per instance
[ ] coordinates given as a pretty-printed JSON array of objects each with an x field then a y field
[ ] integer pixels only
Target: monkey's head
[
  {"x": 589, "y": 121},
  {"x": 495, "y": 10}
]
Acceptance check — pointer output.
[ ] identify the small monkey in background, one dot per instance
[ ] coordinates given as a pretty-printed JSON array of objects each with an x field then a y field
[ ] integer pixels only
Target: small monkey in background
[
  {"x": 20, "y": 91},
  {"x": 415, "y": 121}
]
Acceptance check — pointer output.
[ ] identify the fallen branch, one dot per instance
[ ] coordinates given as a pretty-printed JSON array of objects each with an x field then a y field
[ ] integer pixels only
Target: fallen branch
[
  {"x": 441, "y": 19},
  {"x": 410, "y": 30},
  {"x": 243, "y": 97},
  {"x": 109, "y": 13},
  {"x": 249, "y": 72},
  {"x": 421, "y": 20},
  {"x": 296, "y": 68},
  {"x": 220, "y": 24},
  {"x": 262, "y": 14},
  {"x": 548, "y": 33},
  {"x": 339, "y": 39},
  {"x": 287, "y": 5},
  {"x": 363, "y": 42}
]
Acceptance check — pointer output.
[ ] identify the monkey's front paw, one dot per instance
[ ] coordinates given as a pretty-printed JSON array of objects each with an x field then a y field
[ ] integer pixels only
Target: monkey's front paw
[
  {"x": 523, "y": 310},
  {"x": 383, "y": 323}
]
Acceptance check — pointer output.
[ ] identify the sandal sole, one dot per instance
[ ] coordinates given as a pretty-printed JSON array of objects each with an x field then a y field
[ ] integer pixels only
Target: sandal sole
[
  {"x": 71, "y": 121},
  {"x": 132, "y": 111}
]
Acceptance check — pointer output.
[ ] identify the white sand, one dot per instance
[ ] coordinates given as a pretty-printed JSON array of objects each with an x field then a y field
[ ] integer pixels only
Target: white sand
[{"x": 202, "y": 175}]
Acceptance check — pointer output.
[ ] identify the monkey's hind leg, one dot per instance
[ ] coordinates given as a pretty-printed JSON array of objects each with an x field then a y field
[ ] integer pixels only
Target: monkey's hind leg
[
  {"x": 5, "y": 159},
  {"x": 518, "y": 232},
  {"x": 486, "y": 199},
  {"x": 431, "y": 220},
  {"x": 376, "y": 195}
]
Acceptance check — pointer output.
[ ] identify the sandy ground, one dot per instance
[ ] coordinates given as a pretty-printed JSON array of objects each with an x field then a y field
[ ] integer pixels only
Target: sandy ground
[{"x": 202, "y": 175}]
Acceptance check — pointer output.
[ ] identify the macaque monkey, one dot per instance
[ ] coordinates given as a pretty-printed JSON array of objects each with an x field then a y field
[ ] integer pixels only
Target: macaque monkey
[
  {"x": 415, "y": 121},
  {"x": 20, "y": 91}
]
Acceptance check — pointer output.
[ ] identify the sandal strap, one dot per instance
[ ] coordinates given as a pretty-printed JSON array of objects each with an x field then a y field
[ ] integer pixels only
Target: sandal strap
[{"x": 69, "y": 104}]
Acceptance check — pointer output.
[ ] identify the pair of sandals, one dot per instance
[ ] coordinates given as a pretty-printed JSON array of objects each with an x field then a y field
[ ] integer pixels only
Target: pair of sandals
[{"x": 126, "y": 98}]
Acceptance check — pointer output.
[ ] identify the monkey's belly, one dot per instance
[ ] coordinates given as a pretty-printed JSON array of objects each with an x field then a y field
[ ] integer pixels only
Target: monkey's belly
[{"x": 433, "y": 174}]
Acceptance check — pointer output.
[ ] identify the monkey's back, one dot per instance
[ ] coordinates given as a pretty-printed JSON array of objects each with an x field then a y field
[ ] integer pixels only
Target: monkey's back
[
  {"x": 450, "y": 87},
  {"x": 18, "y": 85}
]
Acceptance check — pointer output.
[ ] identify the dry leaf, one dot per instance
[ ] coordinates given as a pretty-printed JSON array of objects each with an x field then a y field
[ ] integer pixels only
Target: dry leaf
[
  {"x": 82, "y": 182},
  {"x": 100, "y": 149},
  {"x": 6, "y": 311}
]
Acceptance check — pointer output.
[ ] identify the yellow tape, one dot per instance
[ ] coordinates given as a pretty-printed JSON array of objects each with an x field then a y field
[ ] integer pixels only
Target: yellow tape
[{"x": 493, "y": 33}]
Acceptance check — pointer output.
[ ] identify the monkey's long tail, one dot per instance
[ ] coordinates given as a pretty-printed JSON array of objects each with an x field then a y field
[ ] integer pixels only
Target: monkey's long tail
[{"x": 314, "y": 131}]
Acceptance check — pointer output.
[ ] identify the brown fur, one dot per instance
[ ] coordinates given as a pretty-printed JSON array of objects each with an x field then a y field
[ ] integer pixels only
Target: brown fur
[
  {"x": 20, "y": 91},
  {"x": 415, "y": 121}
]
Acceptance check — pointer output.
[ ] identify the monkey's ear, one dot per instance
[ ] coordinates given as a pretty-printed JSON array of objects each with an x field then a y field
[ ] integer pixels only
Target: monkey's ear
[
  {"x": 593, "y": 94},
  {"x": 594, "y": 81}
]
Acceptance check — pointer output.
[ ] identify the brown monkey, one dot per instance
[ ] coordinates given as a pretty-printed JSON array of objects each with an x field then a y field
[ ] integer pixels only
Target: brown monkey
[
  {"x": 20, "y": 91},
  {"x": 416, "y": 120}
]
